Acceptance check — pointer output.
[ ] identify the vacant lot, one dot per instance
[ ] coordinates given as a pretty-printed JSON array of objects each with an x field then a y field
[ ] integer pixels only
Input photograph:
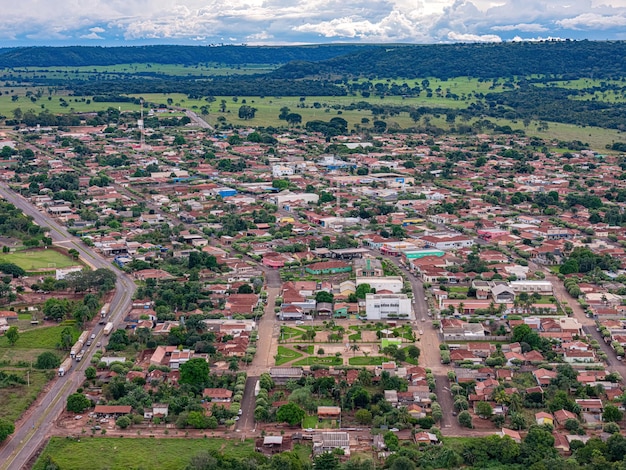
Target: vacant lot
[
  {"x": 47, "y": 337},
  {"x": 16, "y": 399},
  {"x": 122, "y": 454},
  {"x": 31, "y": 260}
]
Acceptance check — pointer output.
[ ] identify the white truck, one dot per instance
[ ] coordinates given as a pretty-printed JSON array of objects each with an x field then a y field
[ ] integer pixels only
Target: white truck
[
  {"x": 65, "y": 367},
  {"x": 79, "y": 344},
  {"x": 105, "y": 310},
  {"x": 108, "y": 328}
]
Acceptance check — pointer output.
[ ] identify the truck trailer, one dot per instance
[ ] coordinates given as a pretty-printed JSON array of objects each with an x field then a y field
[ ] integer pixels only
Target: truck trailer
[
  {"x": 65, "y": 367},
  {"x": 108, "y": 328},
  {"x": 79, "y": 344},
  {"x": 105, "y": 310}
]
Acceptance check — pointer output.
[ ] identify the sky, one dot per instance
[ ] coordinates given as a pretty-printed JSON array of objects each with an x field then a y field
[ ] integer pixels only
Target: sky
[{"x": 202, "y": 22}]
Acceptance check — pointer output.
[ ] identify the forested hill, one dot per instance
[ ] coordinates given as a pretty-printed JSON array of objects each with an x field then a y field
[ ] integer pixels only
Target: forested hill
[
  {"x": 570, "y": 59},
  {"x": 76, "y": 56}
]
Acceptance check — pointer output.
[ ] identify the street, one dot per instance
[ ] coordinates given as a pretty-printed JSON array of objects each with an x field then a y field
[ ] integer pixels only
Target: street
[
  {"x": 32, "y": 432},
  {"x": 267, "y": 347}
]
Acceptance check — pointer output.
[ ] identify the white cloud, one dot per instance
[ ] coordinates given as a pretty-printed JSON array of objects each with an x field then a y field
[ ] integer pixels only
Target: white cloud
[
  {"x": 473, "y": 37},
  {"x": 282, "y": 21},
  {"x": 592, "y": 21},
  {"x": 523, "y": 27}
]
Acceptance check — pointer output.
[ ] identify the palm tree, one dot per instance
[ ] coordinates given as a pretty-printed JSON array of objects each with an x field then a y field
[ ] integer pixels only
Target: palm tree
[{"x": 354, "y": 348}]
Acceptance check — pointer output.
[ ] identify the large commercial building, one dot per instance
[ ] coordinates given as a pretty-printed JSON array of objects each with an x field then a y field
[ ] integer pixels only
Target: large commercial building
[{"x": 388, "y": 307}]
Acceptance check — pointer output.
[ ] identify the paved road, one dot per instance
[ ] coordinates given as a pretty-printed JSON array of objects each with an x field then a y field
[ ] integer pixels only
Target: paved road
[
  {"x": 589, "y": 324},
  {"x": 197, "y": 120},
  {"x": 267, "y": 347},
  {"x": 32, "y": 432},
  {"x": 430, "y": 358}
]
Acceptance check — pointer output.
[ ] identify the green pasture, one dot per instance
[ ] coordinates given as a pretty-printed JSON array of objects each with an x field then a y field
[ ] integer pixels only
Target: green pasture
[
  {"x": 118, "y": 70},
  {"x": 75, "y": 104},
  {"x": 32, "y": 260},
  {"x": 122, "y": 454}
]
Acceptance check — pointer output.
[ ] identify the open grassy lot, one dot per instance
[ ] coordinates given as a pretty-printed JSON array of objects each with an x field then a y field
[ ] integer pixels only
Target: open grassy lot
[
  {"x": 46, "y": 337},
  {"x": 16, "y": 399},
  {"x": 122, "y": 454},
  {"x": 32, "y": 260}
]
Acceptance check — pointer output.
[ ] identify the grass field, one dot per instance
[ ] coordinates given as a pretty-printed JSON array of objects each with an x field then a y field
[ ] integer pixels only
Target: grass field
[
  {"x": 367, "y": 361},
  {"x": 325, "y": 361},
  {"x": 286, "y": 355},
  {"x": 32, "y": 260},
  {"x": 38, "y": 338},
  {"x": 123, "y": 454},
  {"x": 16, "y": 400},
  {"x": 327, "y": 107}
]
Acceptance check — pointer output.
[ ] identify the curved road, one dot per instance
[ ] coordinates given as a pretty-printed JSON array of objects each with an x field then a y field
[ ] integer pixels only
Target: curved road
[{"x": 32, "y": 432}]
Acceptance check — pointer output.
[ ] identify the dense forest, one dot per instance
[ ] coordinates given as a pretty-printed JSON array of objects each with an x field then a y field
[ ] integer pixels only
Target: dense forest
[
  {"x": 568, "y": 59},
  {"x": 76, "y": 56}
]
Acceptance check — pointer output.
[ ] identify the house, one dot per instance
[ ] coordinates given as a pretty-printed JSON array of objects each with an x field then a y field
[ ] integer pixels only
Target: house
[
  {"x": 544, "y": 376},
  {"x": 112, "y": 410},
  {"x": 158, "y": 410},
  {"x": 512, "y": 434},
  {"x": 8, "y": 315},
  {"x": 221, "y": 395},
  {"x": 590, "y": 405},
  {"x": 542, "y": 418},
  {"x": 425, "y": 438},
  {"x": 391, "y": 396},
  {"x": 561, "y": 416},
  {"x": 329, "y": 412},
  {"x": 329, "y": 441}
]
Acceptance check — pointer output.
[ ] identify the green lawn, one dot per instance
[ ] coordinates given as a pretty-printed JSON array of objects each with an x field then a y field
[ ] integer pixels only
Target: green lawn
[
  {"x": 384, "y": 342},
  {"x": 286, "y": 355},
  {"x": 38, "y": 338},
  {"x": 355, "y": 337},
  {"x": 123, "y": 454},
  {"x": 287, "y": 332},
  {"x": 326, "y": 361},
  {"x": 309, "y": 422},
  {"x": 367, "y": 361},
  {"x": 31, "y": 260}
]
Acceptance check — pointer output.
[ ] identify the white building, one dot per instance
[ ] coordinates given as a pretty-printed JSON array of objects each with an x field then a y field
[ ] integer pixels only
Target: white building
[
  {"x": 62, "y": 273},
  {"x": 391, "y": 283},
  {"x": 285, "y": 197},
  {"x": 542, "y": 287},
  {"x": 278, "y": 171},
  {"x": 388, "y": 306}
]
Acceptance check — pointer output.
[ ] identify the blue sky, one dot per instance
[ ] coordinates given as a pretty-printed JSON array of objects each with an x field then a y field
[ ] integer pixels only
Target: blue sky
[{"x": 134, "y": 22}]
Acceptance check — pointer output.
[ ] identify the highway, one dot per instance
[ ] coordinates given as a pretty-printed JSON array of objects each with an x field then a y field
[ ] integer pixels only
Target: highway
[{"x": 18, "y": 449}]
